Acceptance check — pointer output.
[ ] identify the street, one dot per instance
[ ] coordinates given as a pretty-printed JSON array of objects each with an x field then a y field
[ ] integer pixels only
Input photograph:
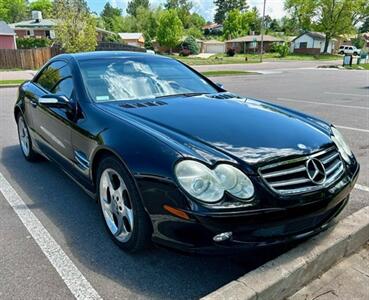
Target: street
[{"x": 73, "y": 219}]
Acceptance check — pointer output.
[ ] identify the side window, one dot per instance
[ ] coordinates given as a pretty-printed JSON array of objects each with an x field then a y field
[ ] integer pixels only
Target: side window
[
  {"x": 303, "y": 45},
  {"x": 64, "y": 87},
  {"x": 57, "y": 79}
]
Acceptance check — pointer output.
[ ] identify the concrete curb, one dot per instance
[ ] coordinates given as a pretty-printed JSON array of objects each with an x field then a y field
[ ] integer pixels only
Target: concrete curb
[
  {"x": 288, "y": 273},
  {"x": 3, "y": 86}
]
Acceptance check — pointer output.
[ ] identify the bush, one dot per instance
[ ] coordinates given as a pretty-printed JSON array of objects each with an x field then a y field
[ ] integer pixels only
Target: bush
[
  {"x": 113, "y": 38},
  {"x": 190, "y": 44},
  {"x": 231, "y": 52},
  {"x": 358, "y": 42},
  {"x": 30, "y": 42},
  {"x": 282, "y": 49}
]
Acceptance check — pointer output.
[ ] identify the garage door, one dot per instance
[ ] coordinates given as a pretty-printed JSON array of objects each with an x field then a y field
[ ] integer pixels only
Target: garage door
[{"x": 216, "y": 48}]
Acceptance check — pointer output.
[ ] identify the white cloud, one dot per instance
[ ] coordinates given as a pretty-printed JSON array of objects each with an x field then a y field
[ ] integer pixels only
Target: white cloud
[{"x": 206, "y": 8}]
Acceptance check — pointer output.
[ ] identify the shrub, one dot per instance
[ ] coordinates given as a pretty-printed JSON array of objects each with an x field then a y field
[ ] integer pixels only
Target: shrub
[
  {"x": 231, "y": 52},
  {"x": 282, "y": 49},
  {"x": 114, "y": 38},
  {"x": 190, "y": 44},
  {"x": 30, "y": 42},
  {"x": 358, "y": 42}
]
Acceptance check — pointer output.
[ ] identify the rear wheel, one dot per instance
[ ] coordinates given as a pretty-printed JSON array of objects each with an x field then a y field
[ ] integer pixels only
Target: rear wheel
[
  {"x": 125, "y": 218},
  {"x": 25, "y": 140}
]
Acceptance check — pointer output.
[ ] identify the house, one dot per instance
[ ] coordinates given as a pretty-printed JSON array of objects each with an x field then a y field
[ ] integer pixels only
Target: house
[
  {"x": 7, "y": 37},
  {"x": 252, "y": 43},
  {"x": 212, "y": 28},
  {"x": 133, "y": 38},
  {"x": 212, "y": 46},
  {"x": 311, "y": 42},
  {"x": 44, "y": 28}
]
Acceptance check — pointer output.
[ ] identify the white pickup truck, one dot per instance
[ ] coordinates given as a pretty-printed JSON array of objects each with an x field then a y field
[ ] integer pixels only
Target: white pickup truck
[{"x": 349, "y": 50}]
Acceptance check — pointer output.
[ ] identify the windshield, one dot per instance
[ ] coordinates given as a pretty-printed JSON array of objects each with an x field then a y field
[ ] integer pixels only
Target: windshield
[{"x": 139, "y": 78}]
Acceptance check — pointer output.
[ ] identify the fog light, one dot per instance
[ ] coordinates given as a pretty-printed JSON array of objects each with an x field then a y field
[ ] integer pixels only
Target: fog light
[{"x": 221, "y": 237}]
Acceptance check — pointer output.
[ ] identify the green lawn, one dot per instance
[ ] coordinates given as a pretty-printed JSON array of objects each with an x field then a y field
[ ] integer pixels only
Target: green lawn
[
  {"x": 7, "y": 82},
  {"x": 358, "y": 67},
  {"x": 227, "y": 73},
  {"x": 253, "y": 58}
]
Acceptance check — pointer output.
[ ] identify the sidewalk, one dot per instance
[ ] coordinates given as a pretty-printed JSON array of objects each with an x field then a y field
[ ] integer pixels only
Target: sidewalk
[
  {"x": 349, "y": 279},
  {"x": 15, "y": 75}
]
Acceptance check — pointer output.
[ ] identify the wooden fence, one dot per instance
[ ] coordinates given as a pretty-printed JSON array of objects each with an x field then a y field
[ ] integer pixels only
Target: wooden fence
[
  {"x": 26, "y": 58},
  {"x": 36, "y": 58}
]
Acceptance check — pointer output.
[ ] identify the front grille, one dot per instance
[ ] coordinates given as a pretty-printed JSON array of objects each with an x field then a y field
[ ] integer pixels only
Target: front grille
[{"x": 291, "y": 176}]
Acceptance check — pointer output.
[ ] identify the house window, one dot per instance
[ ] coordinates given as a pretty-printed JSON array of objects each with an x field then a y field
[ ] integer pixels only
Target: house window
[
  {"x": 30, "y": 33},
  {"x": 47, "y": 33},
  {"x": 303, "y": 45}
]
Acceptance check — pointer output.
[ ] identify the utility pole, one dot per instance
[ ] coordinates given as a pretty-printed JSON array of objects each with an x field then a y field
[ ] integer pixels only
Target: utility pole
[{"x": 262, "y": 33}]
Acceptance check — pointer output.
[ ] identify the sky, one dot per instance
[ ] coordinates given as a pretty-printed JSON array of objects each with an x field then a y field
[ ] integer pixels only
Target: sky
[{"x": 206, "y": 8}]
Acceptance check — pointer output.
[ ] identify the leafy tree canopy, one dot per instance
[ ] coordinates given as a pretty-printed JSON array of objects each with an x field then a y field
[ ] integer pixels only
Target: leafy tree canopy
[
  {"x": 224, "y": 6},
  {"x": 45, "y": 6},
  {"x": 135, "y": 4},
  {"x": 77, "y": 30},
  {"x": 12, "y": 11},
  {"x": 170, "y": 29}
]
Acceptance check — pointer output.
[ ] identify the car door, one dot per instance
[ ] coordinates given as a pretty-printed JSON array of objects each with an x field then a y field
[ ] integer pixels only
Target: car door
[{"x": 51, "y": 124}]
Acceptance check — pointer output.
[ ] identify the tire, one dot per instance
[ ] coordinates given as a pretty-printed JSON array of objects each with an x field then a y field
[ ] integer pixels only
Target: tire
[
  {"x": 355, "y": 53},
  {"x": 341, "y": 52},
  {"x": 25, "y": 140},
  {"x": 122, "y": 210}
]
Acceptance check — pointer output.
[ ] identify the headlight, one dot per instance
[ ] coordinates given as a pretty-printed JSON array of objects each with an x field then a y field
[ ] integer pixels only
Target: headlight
[
  {"x": 209, "y": 185},
  {"x": 341, "y": 144}
]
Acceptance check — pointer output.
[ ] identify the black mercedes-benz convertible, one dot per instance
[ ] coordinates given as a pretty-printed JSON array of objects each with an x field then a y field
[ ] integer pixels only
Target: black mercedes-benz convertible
[{"x": 173, "y": 158}]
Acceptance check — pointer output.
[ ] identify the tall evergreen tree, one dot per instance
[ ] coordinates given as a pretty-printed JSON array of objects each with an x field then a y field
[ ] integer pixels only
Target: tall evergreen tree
[
  {"x": 224, "y": 6},
  {"x": 109, "y": 16},
  {"x": 135, "y": 4}
]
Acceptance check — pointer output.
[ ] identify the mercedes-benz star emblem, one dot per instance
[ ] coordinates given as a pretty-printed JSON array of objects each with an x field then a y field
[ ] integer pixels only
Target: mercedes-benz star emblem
[{"x": 316, "y": 171}]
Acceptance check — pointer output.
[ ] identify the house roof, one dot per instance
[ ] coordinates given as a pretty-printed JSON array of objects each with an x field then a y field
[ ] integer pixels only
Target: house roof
[
  {"x": 251, "y": 38},
  {"x": 130, "y": 35},
  {"x": 314, "y": 34},
  {"x": 213, "y": 42},
  {"x": 5, "y": 29},
  {"x": 35, "y": 24},
  {"x": 212, "y": 26}
]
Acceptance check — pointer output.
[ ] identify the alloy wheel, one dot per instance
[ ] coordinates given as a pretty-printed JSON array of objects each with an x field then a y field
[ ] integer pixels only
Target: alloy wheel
[
  {"x": 116, "y": 205},
  {"x": 23, "y": 136}
]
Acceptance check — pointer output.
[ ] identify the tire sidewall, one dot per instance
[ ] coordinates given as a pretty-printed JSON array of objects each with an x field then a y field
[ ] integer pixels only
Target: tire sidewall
[{"x": 30, "y": 155}]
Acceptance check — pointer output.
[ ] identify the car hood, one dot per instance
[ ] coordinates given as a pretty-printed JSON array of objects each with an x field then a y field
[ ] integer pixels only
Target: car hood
[{"x": 224, "y": 126}]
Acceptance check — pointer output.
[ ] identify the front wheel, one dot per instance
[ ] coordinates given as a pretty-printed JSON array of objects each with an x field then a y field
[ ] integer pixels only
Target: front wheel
[
  {"x": 355, "y": 54},
  {"x": 25, "y": 140},
  {"x": 125, "y": 218}
]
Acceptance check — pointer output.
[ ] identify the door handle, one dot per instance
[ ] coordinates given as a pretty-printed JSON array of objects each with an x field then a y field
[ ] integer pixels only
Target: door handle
[{"x": 33, "y": 102}]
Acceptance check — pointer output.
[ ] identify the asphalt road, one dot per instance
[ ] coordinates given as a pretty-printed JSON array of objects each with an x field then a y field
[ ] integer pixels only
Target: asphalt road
[{"x": 73, "y": 219}]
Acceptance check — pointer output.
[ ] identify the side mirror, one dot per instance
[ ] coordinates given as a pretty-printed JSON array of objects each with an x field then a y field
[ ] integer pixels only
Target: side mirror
[
  {"x": 58, "y": 101},
  {"x": 221, "y": 85}
]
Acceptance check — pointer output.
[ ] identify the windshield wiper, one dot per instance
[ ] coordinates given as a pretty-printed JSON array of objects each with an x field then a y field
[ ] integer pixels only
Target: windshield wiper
[{"x": 180, "y": 95}]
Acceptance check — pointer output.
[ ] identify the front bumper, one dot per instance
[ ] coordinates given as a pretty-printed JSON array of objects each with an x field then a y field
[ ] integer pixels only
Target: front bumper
[{"x": 253, "y": 229}]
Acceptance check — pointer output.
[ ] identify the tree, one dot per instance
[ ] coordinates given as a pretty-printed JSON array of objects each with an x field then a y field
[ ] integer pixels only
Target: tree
[
  {"x": 170, "y": 29},
  {"x": 332, "y": 17},
  {"x": 365, "y": 26},
  {"x": 179, "y": 4},
  {"x": 234, "y": 25},
  {"x": 224, "y": 6},
  {"x": 45, "y": 6},
  {"x": 76, "y": 28},
  {"x": 109, "y": 15},
  {"x": 274, "y": 26},
  {"x": 135, "y": 4},
  {"x": 12, "y": 11}
]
